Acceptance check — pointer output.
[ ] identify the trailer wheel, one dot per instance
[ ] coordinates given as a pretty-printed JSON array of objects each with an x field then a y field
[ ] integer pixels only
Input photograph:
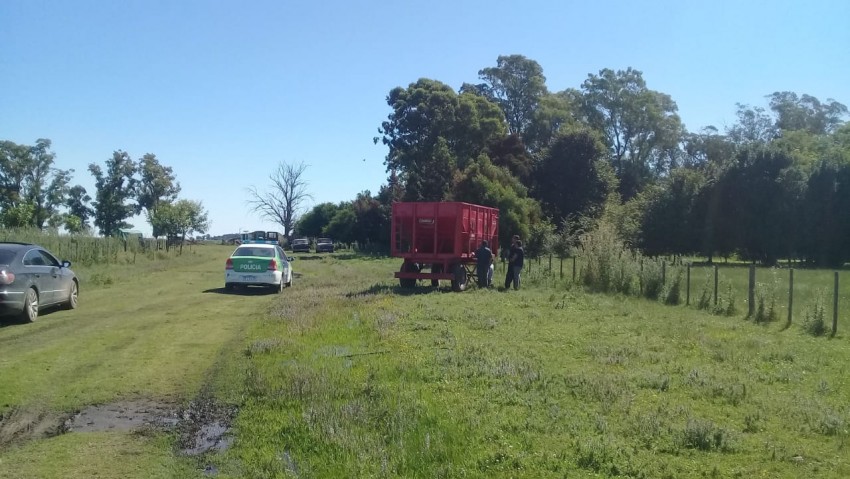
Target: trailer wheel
[
  {"x": 459, "y": 283},
  {"x": 408, "y": 268}
]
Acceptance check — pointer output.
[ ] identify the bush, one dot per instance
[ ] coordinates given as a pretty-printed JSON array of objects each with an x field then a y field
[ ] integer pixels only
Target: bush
[{"x": 814, "y": 321}]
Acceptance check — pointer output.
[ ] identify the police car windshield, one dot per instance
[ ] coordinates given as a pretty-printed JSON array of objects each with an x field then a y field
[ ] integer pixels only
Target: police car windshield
[{"x": 252, "y": 251}]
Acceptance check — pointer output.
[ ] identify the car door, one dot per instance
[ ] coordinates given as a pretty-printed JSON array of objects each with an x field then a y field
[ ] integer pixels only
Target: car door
[
  {"x": 59, "y": 278},
  {"x": 41, "y": 276}
]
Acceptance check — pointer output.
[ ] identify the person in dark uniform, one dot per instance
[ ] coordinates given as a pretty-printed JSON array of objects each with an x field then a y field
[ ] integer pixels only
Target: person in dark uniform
[
  {"x": 484, "y": 258},
  {"x": 509, "y": 276},
  {"x": 517, "y": 260}
]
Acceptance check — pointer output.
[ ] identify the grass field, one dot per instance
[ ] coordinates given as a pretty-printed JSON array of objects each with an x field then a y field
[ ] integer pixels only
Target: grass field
[{"x": 346, "y": 375}]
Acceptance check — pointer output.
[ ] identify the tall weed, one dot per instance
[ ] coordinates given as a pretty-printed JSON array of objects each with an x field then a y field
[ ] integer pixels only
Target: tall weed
[{"x": 814, "y": 321}]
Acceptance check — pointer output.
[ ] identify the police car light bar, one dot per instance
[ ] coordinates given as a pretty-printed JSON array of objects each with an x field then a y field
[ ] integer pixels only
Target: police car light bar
[{"x": 259, "y": 242}]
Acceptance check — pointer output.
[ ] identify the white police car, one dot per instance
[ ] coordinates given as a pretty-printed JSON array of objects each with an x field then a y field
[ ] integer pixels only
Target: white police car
[{"x": 258, "y": 263}]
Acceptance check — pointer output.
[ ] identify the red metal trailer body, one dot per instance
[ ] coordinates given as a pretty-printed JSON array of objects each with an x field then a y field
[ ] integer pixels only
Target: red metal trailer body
[{"x": 441, "y": 237}]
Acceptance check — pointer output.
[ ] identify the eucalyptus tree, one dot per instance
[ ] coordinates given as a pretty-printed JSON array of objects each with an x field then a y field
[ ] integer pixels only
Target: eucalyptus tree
[{"x": 641, "y": 126}]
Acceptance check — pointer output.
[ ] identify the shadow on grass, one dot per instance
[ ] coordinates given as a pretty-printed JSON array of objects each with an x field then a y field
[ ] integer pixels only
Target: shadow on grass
[
  {"x": 379, "y": 288},
  {"x": 244, "y": 291},
  {"x": 340, "y": 256},
  {"x": 16, "y": 320}
]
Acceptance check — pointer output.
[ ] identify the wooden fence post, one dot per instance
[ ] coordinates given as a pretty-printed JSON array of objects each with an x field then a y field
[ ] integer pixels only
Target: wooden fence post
[
  {"x": 751, "y": 296},
  {"x": 790, "y": 296},
  {"x": 664, "y": 272},
  {"x": 715, "y": 285},
  {"x": 550, "y": 263},
  {"x": 688, "y": 287},
  {"x": 562, "y": 267},
  {"x": 835, "y": 307}
]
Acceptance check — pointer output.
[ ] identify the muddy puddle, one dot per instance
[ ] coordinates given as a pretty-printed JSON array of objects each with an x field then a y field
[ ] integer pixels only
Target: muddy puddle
[{"x": 203, "y": 426}]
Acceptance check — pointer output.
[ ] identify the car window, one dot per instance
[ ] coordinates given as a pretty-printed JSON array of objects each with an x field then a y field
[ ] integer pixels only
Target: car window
[
  {"x": 6, "y": 256},
  {"x": 33, "y": 258},
  {"x": 48, "y": 259}
]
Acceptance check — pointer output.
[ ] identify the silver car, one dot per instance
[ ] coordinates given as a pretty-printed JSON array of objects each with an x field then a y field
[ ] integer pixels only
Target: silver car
[{"x": 31, "y": 278}]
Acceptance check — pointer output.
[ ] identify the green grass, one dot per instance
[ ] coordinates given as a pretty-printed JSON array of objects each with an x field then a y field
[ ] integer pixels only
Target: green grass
[
  {"x": 352, "y": 378},
  {"x": 346, "y": 375}
]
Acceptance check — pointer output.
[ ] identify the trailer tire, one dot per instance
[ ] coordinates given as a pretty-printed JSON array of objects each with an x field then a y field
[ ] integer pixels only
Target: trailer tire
[
  {"x": 406, "y": 267},
  {"x": 461, "y": 279}
]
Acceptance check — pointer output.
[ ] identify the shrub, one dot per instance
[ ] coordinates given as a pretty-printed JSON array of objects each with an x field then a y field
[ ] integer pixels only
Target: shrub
[
  {"x": 766, "y": 301},
  {"x": 814, "y": 321}
]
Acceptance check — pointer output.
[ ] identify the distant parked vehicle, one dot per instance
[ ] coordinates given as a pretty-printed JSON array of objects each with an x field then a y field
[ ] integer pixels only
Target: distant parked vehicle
[
  {"x": 31, "y": 278},
  {"x": 301, "y": 245},
  {"x": 324, "y": 245}
]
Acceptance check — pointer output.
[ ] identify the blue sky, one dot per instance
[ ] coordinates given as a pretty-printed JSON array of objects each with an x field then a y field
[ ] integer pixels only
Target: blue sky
[{"x": 223, "y": 91}]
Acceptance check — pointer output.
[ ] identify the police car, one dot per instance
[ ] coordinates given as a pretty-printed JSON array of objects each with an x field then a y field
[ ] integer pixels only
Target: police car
[{"x": 258, "y": 263}]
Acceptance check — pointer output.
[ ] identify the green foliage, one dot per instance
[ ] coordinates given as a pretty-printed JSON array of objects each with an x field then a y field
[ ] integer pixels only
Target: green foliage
[
  {"x": 806, "y": 113},
  {"x": 814, "y": 321},
  {"x": 82, "y": 249},
  {"x": 313, "y": 222},
  {"x": 766, "y": 307},
  {"x": 706, "y": 436},
  {"x": 115, "y": 187},
  {"x": 156, "y": 185},
  {"x": 640, "y": 125},
  {"x": 570, "y": 179},
  {"x": 486, "y": 184},
  {"x": 540, "y": 239},
  {"x": 433, "y": 132},
  {"x": 181, "y": 218},
  {"x": 517, "y": 84},
  {"x": 609, "y": 266},
  {"x": 32, "y": 188}
]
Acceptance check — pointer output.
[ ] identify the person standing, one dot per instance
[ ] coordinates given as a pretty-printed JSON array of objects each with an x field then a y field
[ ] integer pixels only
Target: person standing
[
  {"x": 509, "y": 276},
  {"x": 517, "y": 260},
  {"x": 484, "y": 258}
]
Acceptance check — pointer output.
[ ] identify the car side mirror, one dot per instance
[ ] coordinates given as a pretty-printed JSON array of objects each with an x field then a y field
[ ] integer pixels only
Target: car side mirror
[
  {"x": 290, "y": 258},
  {"x": 66, "y": 263}
]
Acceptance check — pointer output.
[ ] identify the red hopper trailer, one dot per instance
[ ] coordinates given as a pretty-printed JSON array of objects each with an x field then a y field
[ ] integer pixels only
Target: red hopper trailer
[{"x": 437, "y": 240}]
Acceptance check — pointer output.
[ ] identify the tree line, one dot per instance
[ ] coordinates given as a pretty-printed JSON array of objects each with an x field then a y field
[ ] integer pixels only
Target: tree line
[
  {"x": 775, "y": 184},
  {"x": 35, "y": 193}
]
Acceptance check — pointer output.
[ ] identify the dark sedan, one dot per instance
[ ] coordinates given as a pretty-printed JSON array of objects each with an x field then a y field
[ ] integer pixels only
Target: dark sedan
[{"x": 31, "y": 278}]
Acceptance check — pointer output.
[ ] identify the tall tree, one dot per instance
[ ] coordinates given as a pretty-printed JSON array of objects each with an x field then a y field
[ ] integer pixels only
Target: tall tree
[
  {"x": 181, "y": 218},
  {"x": 486, "y": 184},
  {"x": 754, "y": 125},
  {"x": 572, "y": 177},
  {"x": 641, "y": 126},
  {"x": 313, "y": 222},
  {"x": 30, "y": 183},
  {"x": 281, "y": 203},
  {"x": 432, "y": 132},
  {"x": 517, "y": 84},
  {"x": 806, "y": 113},
  {"x": 115, "y": 187},
  {"x": 156, "y": 185},
  {"x": 554, "y": 111},
  {"x": 77, "y": 203}
]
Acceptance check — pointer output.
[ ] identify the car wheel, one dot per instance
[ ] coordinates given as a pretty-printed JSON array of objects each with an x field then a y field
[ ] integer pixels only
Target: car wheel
[
  {"x": 72, "y": 296},
  {"x": 228, "y": 286},
  {"x": 30, "y": 312},
  {"x": 289, "y": 283},
  {"x": 280, "y": 286}
]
